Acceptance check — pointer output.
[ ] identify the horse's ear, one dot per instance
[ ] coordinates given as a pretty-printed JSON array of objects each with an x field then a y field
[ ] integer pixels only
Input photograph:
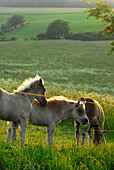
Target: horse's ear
[{"x": 40, "y": 81}]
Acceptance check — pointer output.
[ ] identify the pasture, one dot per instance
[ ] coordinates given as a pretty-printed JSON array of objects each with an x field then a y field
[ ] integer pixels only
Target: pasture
[
  {"x": 69, "y": 68},
  {"x": 38, "y": 19},
  {"x": 67, "y": 64}
]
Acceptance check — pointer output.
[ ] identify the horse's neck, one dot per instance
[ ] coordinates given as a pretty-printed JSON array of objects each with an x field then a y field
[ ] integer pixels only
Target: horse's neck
[
  {"x": 31, "y": 97},
  {"x": 66, "y": 110}
]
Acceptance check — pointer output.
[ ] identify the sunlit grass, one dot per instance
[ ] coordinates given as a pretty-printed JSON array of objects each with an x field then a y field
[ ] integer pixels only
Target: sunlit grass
[{"x": 64, "y": 154}]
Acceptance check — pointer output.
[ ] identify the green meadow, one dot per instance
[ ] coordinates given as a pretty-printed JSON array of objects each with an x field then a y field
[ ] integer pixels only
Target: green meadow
[
  {"x": 37, "y": 21},
  {"x": 69, "y": 68},
  {"x": 68, "y": 64}
]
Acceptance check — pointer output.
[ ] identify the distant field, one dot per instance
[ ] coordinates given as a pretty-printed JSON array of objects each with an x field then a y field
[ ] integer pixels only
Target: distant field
[
  {"x": 17, "y": 10},
  {"x": 38, "y": 20},
  {"x": 67, "y": 64}
]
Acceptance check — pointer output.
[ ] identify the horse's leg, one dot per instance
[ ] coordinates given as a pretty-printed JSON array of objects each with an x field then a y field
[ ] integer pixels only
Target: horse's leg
[
  {"x": 77, "y": 133},
  {"x": 96, "y": 139},
  {"x": 23, "y": 125},
  {"x": 50, "y": 131},
  {"x": 90, "y": 136},
  {"x": 84, "y": 136},
  {"x": 14, "y": 126},
  {"x": 100, "y": 132},
  {"x": 8, "y": 135}
]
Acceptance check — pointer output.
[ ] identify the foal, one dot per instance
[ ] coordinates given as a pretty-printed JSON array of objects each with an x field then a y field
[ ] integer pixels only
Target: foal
[
  {"x": 94, "y": 112},
  {"x": 16, "y": 107},
  {"x": 57, "y": 108}
]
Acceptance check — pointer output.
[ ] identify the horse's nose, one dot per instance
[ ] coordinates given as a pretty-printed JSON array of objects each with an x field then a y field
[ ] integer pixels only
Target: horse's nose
[{"x": 85, "y": 121}]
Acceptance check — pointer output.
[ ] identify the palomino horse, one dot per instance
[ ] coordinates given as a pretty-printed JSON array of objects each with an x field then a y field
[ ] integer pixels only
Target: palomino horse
[
  {"x": 16, "y": 107},
  {"x": 57, "y": 108},
  {"x": 94, "y": 112}
]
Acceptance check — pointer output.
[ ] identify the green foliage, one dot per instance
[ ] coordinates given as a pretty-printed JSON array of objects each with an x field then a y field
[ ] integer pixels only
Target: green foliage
[
  {"x": 13, "y": 38},
  {"x": 41, "y": 36},
  {"x": 16, "y": 20},
  {"x": 102, "y": 10},
  {"x": 88, "y": 36},
  {"x": 6, "y": 27},
  {"x": 3, "y": 38},
  {"x": 57, "y": 29}
]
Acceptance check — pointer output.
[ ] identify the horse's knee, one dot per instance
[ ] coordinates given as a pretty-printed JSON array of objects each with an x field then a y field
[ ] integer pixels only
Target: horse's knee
[
  {"x": 9, "y": 130},
  {"x": 8, "y": 135}
]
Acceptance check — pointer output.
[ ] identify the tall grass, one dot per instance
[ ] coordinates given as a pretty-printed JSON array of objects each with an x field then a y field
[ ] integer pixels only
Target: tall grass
[{"x": 64, "y": 154}]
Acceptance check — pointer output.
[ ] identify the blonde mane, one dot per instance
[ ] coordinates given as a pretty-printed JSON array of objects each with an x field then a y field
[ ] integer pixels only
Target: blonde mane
[
  {"x": 27, "y": 83},
  {"x": 62, "y": 98}
]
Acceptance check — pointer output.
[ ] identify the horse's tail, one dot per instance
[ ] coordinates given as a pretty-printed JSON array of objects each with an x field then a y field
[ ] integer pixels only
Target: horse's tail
[{"x": 99, "y": 113}]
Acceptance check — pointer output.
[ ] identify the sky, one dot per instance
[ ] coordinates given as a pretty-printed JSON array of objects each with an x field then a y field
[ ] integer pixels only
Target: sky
[{"x": 47, "y": 3}]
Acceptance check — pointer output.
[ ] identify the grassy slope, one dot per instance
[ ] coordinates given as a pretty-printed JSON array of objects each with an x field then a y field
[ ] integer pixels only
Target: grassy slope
[{"x": 39, "y": 21}]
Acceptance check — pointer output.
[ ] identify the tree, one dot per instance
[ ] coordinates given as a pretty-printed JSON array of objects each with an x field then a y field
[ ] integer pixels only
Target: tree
[
  {"x": 16, "y": 20},
  {"x": 41, "y": 36},
  {"x": 57, "y": 29},
  {"x": 102, "y": 10},
  {"x": 5, "y": 27}
]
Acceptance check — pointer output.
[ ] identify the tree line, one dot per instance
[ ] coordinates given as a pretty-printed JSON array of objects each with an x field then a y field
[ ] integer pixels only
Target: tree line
[{"x": 60, "y": 29}]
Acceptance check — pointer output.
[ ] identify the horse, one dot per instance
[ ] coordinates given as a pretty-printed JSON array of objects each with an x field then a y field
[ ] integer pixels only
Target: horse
[
  {"x": 56, "y": 109},
  {"x": 16, "y": 106},
  {"x": 95, "y": 114}
]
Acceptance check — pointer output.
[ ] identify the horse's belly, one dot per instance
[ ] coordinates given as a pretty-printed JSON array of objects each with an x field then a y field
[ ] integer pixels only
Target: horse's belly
[{"x": 8, "y": 116}]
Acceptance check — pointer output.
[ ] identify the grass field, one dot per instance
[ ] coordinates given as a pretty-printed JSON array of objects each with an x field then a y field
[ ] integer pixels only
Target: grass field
[
  {"x": 38, "y": 20},
  {"x": 69, "y": 68},
  {"x": 67, "y": 64},
  {"x": 64, "y": 154}
]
